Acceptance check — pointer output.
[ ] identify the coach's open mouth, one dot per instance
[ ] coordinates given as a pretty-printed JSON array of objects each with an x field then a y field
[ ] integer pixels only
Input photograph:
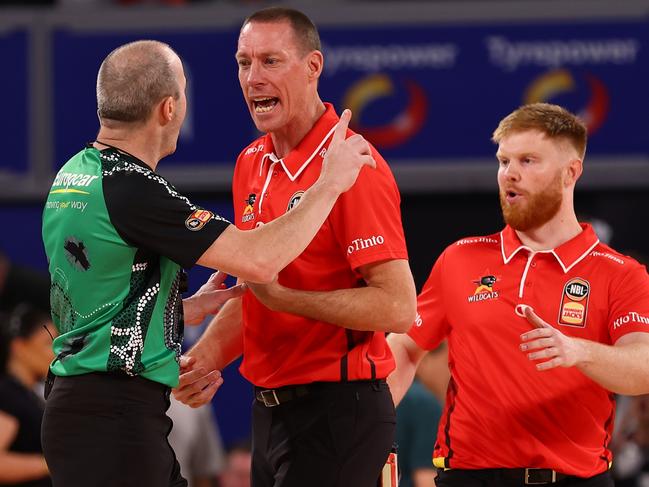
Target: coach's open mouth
[{"x": 265, "y": 104}]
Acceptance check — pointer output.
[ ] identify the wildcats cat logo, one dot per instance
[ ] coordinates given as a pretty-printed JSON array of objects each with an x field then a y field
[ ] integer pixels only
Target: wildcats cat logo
[
  {"x": 249, "y": 210},
  {"x": 485, "y": 290},
  {"x": 574, "y": 303}
]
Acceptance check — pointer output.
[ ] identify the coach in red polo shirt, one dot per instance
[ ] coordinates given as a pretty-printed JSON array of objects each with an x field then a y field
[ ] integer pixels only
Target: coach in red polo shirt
[
  {"x": 314, "y": 341},
  {"x": 544, "y": 323}
]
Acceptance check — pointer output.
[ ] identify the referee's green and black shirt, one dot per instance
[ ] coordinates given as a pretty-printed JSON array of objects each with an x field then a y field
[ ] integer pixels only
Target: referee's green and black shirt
[{"x": 116, "y": 236}]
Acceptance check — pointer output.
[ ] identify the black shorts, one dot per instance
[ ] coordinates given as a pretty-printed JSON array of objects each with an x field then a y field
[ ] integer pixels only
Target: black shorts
[
  {"x": 109, "y": 430},
  {"x": 327, "y": 435}
]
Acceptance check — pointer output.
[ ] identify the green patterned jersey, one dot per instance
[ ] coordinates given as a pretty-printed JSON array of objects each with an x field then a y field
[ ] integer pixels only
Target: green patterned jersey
[{"x": 117, "y": 236}]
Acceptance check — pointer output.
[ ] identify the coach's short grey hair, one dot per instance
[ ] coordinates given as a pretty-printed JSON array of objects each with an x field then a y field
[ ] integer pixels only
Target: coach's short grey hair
[
  {"x": 133, "y": 79},
  {"x": 306, "y": 34}
]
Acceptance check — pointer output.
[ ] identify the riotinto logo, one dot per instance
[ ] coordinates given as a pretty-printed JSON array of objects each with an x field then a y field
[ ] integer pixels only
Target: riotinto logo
[
  {"x": 252, "y": 150},
  {"x": 630, "y": 317},
  {"x": 364, "y": 243}
]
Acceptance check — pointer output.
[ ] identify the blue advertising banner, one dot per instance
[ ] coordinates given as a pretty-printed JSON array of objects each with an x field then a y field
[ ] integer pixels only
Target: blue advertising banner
[
  {"x": 217, "y": 125},
  {"x": 417, "y": 93},
  {"x": 439, "y": 92},
  {"x": 13, "y": 124}
]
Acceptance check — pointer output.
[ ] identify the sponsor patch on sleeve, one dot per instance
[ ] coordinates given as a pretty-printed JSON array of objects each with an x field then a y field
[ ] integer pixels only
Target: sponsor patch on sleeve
[
  {"x": 630, "y": 317},
  {"x": 198, "y": 219},
  {"x": 364, "y": 243}
]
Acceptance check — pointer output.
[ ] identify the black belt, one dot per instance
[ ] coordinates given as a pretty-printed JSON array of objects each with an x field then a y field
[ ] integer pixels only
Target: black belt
[
  {"x": 533, "y": 476},
  {"x": 275, "y": 397}
]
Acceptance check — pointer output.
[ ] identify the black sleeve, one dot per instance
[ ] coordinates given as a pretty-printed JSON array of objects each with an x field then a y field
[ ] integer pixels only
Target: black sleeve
[{"x": 148, "y": 212}]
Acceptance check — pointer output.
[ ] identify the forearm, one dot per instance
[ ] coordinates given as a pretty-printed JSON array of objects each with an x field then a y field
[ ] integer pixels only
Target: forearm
[
  {"x": 283, "y": 239},
  {"x": 433, "y": 372},
  {"x": 363, "y": 309},
  {"x": 407, "y": 357},
  {"x": 622, "y": 369},
  {"x": 258, "y": 255},
  {"x": 222, "y": 341},
  {"x": 387, "y": 302},
  {"x": 21, "y": 467},
  {"x": 192, "y": 311}
]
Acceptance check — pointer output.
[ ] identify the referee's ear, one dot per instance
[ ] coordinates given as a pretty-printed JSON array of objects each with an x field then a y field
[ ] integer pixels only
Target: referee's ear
[{"x": 166, "y": 110}]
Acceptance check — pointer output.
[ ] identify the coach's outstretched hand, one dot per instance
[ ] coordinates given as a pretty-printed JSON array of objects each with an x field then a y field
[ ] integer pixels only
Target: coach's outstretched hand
[{"x": 548, "y": 344}]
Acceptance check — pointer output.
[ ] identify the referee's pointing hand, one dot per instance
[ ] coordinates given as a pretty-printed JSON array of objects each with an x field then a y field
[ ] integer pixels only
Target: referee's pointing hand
[{"x": 345, "y": 157}]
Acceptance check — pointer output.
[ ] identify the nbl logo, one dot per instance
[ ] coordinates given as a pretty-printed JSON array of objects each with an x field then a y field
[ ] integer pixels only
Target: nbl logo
[
  {"x": 577, "y": 290},
  {"x": 574, "y": 303}
]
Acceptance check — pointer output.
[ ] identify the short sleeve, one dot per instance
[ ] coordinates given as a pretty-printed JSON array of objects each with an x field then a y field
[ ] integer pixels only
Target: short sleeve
[
  {"x": 629, "y": 304},
  {"x": 148, "y": 212},
  {"x": 431, "y": 325},
  {"x": 367, "y": 218}
]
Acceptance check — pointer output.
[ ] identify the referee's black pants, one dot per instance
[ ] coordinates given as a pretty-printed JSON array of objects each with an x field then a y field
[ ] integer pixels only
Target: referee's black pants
[
  {"x": 510, "y": 478},
  {"x": 337, "y": 435},
  {"x": 108, "y": 430}
]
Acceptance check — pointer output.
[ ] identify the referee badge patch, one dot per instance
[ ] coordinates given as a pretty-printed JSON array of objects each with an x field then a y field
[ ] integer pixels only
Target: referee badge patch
[
  {"x": 198, "y": 219},
  {"x": 574, "y": 303}
]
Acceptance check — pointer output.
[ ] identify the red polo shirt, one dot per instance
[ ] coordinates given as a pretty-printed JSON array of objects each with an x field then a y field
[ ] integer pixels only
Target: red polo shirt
[
  {"x": 364, "y": 227},
  {"x": 500, "y": 411}
]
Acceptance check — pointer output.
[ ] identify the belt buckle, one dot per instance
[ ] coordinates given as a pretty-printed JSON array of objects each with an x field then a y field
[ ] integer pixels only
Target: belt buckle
[
  {"x": 529, "y": 482},
  {"x": 272, "y": 399}
]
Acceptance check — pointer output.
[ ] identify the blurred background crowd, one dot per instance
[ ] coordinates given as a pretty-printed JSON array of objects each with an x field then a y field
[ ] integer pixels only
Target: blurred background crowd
[{"x": 427, "y": 82}]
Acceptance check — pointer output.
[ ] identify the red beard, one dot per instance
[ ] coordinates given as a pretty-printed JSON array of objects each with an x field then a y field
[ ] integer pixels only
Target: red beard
[{"x": 539, "y": 208}]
